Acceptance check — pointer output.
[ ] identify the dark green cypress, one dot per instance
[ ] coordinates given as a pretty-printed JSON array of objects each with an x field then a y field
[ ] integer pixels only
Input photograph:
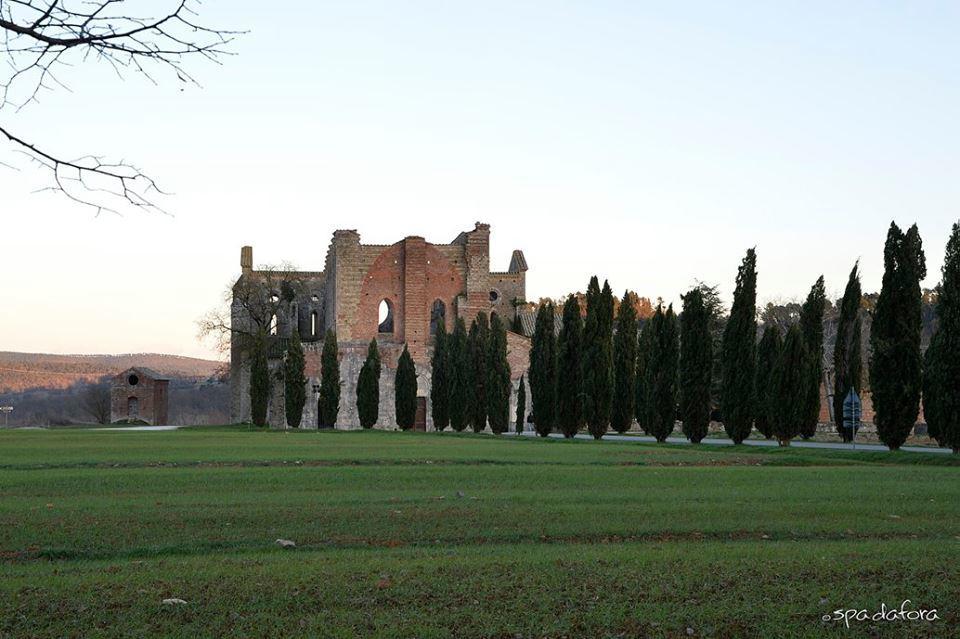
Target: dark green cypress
[
  {"x": 942, "y": 383},
  {"x": 624, "y": 366},
  {"x": 405, "y": 391},
  {"x": 740, "y": 353},
  {"x": 516, "y": 325},
  {"x": 294, "y": 381},
  {"x": 598, "y": 358},
  {"x": 662, "y": 373},
  {"x": 477, "y": 347},
  {"x": 641, "y": 405},
  {"x": 521, "y": 407},
  {"x": 440, "y": 379},
  {"x": 932, "y": 392},
  {"x": 368, "y": 387},
  {"x": 811, "y": 325},
  {"x": 499, "y": 386},
  {"x": 790, "y": 388},
  {"x": 896, "y": 363},
  {"x": 768, "y": 354},
  {"x": 569, "y": 372},
  {"x": 459, "y": 367},
  {"x": 329, "y": 402},
  {"x": 259, "y": 381},
  {"x": 847, "y": 358},
  {"x": 696, "y": 364},
  {"x": 543, "y": 371}
]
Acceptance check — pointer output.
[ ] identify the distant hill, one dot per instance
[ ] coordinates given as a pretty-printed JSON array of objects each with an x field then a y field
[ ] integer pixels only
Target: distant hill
[{"x": 23, "y": 371}]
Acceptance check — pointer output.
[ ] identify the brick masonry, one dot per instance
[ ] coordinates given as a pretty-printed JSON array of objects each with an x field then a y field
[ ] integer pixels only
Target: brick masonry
[{"x": 139, "y": 394}]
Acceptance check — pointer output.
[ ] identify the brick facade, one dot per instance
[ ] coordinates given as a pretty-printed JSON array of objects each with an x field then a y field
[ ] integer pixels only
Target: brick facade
[
  {"x": 412, "y": 276},
  {"x": 139, "y": 394}
]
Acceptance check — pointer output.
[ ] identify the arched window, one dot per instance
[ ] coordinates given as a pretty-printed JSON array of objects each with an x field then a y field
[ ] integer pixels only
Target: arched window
[
  {"x": 438, "y": 316},
  {"x": 273, "y": 324},
  {"x": 133, "y": 407},
  {"x": 313, "y": 324},
  {"x": 385, "y": 317}
]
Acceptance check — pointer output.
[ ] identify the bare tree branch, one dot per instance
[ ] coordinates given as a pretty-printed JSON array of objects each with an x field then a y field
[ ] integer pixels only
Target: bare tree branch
[{"x": 39, "y": 39}]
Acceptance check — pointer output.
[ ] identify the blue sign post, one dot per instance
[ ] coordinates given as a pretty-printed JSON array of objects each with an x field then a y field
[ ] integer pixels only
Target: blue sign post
[{"x": 852, "y": 413}]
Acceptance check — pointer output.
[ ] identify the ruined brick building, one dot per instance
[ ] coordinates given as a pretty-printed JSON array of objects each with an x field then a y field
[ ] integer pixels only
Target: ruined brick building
[
  {"x": 139, "y": 394},
  {"x": 396, "y": 293}
]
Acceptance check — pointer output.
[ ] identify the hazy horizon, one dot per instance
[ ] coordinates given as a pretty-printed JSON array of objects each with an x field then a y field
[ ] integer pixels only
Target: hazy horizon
[{"x": 650, "y": 145}]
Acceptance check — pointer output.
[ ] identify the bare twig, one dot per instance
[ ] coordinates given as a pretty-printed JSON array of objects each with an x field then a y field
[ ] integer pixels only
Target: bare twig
[{"x": 41, "y": 38}]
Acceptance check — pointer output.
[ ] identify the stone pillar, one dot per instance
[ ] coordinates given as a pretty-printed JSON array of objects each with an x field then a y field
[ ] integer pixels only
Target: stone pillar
[{"x": 246, "y": 259}]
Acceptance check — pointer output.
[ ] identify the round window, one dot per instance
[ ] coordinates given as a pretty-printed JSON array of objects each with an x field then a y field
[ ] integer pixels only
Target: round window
[
  {"x": 133, "y": 380},
  {"x": 494, "y": 295}
]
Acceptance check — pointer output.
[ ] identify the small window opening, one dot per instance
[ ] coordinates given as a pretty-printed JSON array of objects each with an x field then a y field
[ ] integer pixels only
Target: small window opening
[
  {"x": 438, "y": 316},
  {"x": 133, "y": 380},
  {"x": 385, "y": 315}
]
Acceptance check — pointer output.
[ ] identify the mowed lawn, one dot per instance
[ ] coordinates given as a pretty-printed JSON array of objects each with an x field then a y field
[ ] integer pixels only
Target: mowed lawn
[{"x": 438, "y": 535}]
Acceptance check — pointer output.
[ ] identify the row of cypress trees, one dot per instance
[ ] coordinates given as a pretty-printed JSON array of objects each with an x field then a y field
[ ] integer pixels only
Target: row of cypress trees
[
  {"x": 588, "y": 375},
  {"x": 470, "y": 376}
]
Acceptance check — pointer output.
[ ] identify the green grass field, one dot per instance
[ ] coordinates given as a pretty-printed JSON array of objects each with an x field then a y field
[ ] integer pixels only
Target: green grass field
[{"x": 427, "y": 535}]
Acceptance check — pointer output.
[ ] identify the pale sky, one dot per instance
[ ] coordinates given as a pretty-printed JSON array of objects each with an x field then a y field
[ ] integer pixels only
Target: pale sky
[{"x": 650, "y": 143}]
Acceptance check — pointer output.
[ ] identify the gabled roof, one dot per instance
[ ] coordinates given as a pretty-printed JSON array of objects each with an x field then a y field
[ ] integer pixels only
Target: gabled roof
[{"x": 146, "y": 372}]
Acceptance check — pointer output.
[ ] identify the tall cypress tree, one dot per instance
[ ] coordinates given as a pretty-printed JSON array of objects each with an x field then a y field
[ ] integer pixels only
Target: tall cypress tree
[
  {"x": 662, "y": 373},
  {"x": 569, "y": 372},
  {"x": 477, "y": 348},
  {"x": 543, "y": 371},
  {"x": 405, "y": 391},
  {"x": 440, "y": 379},
  {"x": 329, "y": 402},
  {"x": 739, "y": 353},
  {"x": 624, "y": 365},
  {"x": 847, "y": 358},
  {"x": 790, "y": 388},
  {"x": 259, "y": 381},
  {"x": 368, "y": 387},
  {"x": 942, "y": 375},
  {"x": 516, "y": 325},
  {"x": 521, "y": 407},
  {"x": 294, "y": 381},
  {"x": 499, "y": 386},
  {"x": 459, "y": 367},
  {"x": 696, "y": 362},
  {"x": 896, "y": 363},
  {"x": 932, "y": 391},
  {"x": 811, "y": 325},
  {"x": 768, "y": 354},
  {"x": 641, "y": 405},
  {"x": 598, "y": 358}
]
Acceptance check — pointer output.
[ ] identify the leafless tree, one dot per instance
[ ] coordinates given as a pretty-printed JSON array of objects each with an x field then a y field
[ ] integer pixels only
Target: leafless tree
[
  {"x": 252, "y": 306},
  {"x": 95, "y": 401},
  {"x": 42, "y": 39}
]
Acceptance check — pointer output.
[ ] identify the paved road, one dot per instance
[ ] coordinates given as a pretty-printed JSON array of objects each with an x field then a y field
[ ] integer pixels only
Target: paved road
[
  {"x": 139, "y": 428},
  {"x": 612, "y": 437}
]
